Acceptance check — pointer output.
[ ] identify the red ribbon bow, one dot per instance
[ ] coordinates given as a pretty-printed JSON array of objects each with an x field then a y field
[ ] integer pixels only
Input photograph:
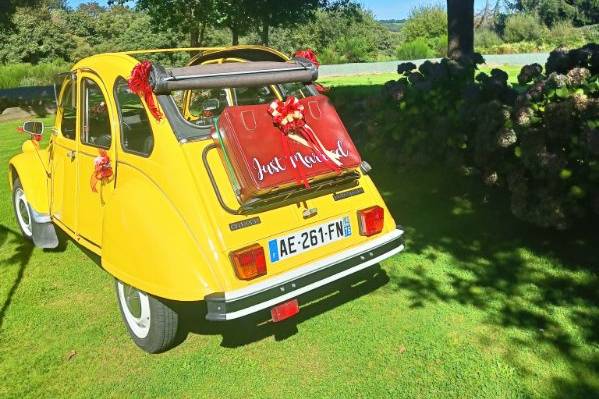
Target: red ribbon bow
[
  {"x": 288, "y": 116},
  {"x": 311, "y": 56},
  {"x": 102, "y": 170},
  {"x": 139, "y": 83}
]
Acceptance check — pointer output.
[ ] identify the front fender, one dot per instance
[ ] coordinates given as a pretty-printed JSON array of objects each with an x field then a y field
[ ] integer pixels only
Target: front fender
[
  {"x": 28, "y": 167},
  {"x": 147, "y": 244}
]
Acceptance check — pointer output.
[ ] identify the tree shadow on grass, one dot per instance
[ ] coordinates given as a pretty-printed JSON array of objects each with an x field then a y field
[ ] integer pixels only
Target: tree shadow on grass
[
  {"x": 254, "y": 328},
  {"x": 20, "y": 256},
  {"x": 541, "y": 283}
]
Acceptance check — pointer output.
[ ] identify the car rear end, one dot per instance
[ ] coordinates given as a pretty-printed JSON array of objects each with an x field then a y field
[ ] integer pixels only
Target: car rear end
[
  {"x": 275, "y": 248},
  {"x": 277, "y": 254}
]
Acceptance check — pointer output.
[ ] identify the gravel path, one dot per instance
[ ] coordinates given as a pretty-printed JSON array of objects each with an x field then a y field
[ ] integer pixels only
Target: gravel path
[{"x": 391, "y": 66}]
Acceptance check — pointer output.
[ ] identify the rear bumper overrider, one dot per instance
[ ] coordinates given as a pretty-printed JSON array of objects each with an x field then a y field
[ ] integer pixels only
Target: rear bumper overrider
[{"x": 266, "y": 294}]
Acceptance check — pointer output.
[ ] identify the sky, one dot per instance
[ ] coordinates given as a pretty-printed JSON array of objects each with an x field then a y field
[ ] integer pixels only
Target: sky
[{"x": 383, "y": 9}]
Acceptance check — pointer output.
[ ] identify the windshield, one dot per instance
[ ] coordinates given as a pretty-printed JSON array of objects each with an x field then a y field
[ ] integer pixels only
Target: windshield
[{"x": 192, "y": 112}]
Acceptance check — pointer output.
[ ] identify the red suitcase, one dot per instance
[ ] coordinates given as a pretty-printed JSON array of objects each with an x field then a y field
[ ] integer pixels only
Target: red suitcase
[{"x": 253, "y": 147}]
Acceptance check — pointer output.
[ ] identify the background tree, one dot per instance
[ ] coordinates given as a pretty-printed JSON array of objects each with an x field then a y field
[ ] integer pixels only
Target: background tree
[
  {"x": 579, "y": 12},
  {"x": 7, "y": 10},
  {"x": 460, "y": 28},
  {"x": 39, "y": 34},
  {"x": 190, "y": 17},
  {"x": 275, "y": 13},
  {"x": 236, "y": 15}
]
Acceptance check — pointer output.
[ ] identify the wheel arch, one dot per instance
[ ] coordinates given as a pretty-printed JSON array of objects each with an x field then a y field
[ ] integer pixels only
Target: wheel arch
[{"x": 30, "y": 171}]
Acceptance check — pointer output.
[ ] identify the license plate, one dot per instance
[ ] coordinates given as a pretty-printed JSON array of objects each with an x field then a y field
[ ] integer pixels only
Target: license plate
[{"x": 305, "y": 240}]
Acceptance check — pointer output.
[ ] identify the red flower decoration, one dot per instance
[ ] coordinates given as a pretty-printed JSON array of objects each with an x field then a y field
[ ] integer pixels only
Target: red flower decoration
[
  {"x": 139, "y": 83},
  {"x": 102, "y": 170},
  {"x": 288, "y": 116},
  {"x": 309, "y": 55}
]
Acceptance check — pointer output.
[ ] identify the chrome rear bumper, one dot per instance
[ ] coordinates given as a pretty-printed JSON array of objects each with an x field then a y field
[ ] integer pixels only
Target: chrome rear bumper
[{"x": 266, "y": 294}]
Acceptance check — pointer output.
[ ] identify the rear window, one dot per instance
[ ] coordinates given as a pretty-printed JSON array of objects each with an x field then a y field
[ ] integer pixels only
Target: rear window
[{"x": 192, "y": 112}]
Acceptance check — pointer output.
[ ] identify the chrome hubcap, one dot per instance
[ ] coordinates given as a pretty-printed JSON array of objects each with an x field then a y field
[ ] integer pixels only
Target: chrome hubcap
[
  {"x": 23, "y": 212},
  {"x": 133, "y": 301},
  {"x": 136, "y": 309}
]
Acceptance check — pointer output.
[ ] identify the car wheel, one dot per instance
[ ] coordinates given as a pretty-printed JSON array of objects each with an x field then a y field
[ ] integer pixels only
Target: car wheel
[
  {"x": 22, "y": 210},
  {"x": 151, "y": 323}
]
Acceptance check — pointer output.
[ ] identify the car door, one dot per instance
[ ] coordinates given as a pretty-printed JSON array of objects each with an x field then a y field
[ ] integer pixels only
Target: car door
[
  {"x": 97, "y": 122},
  {"x": 64, "y": 183}
]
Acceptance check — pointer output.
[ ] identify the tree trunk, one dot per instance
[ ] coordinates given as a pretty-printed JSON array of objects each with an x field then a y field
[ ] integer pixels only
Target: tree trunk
[
  {"x": 202, "y": 32},
  {"x": 460, "y": 28},
  {"x": 264, "y": 32},
  {"x": 235, "y": 34},
  {"x": 194, "y": 32}
]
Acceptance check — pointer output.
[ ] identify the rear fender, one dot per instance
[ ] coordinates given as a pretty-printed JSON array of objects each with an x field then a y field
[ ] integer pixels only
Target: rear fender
[{"x": 148, "y": 244}]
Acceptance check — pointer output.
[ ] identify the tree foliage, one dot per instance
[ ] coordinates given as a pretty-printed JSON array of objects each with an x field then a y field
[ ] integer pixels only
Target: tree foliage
[
  {"x": 7, "y": 10},
  {"x": 425, "y": 22},
  {"x": 579, "y": 12}
]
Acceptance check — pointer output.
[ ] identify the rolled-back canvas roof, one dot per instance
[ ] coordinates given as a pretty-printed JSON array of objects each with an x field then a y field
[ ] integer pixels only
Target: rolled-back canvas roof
[{"x": 232, "y": 74}]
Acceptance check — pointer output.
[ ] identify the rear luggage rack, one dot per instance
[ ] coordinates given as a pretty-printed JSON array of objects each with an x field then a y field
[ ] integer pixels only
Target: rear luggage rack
[{"x": 284, "y": 197}]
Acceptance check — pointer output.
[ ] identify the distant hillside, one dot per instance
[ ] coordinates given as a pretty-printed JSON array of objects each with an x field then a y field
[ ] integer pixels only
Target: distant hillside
[{"x": 394, "y": 25}]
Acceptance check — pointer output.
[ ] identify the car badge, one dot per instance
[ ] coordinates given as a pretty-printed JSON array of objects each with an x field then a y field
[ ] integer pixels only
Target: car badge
[{"x": 308, "y": 213}]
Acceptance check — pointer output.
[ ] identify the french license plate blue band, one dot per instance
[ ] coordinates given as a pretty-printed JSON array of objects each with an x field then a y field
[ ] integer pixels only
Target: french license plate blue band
[
  {"x": 273, "y": 246},
  {"x": 346, "y": 227}
]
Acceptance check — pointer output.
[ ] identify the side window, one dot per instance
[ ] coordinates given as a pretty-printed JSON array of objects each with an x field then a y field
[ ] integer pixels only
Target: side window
[
  {"x": 69, "y": 111},
  {"x": 136, "y": 131},
  {"x": 96, "y": 123}
]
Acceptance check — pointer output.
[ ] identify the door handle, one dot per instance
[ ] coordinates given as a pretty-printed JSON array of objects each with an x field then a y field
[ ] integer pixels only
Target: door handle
[{"x": 71, "y": 155}]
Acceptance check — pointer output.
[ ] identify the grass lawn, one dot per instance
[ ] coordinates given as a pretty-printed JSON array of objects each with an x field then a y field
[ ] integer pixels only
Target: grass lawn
[{"x": 478, "y": 306}]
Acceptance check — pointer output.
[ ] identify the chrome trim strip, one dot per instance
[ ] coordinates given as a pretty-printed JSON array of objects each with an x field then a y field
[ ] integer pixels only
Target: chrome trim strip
[{"x": 185, "y": 77}]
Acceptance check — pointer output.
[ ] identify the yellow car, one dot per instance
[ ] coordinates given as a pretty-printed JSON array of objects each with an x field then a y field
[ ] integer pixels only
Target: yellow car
[{"x": 152, "y": 197}]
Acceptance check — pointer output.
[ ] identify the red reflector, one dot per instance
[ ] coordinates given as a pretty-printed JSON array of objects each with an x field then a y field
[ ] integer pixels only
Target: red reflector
[
  {"x": 371, "y": 220},
  {"x": 249, "y": 262},
  {"x": 284, "y": 310}
]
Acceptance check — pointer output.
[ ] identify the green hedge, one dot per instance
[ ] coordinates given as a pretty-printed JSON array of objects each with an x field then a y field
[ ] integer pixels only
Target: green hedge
[
  {"x": 20, "y": 75},
  {"x": 539, "y": 140}
]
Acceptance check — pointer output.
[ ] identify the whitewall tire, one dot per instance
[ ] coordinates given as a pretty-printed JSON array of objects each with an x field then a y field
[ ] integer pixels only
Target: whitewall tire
[
  {"x": 151, "y": 323},
  {"x": 22, "y": 210}
]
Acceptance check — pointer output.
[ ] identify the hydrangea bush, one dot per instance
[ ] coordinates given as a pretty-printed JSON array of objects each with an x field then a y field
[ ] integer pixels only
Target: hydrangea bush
[{"x": 539, "y": 140}]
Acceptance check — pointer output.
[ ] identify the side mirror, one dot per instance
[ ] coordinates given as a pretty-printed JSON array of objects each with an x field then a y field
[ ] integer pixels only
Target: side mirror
[{"x": 34, "y": 128}]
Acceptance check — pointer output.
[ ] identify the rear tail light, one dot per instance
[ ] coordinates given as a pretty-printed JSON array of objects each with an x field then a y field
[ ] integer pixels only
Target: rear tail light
[
  {"x": 284, "y": 310},
  {"x": 249, "y": 262},
  {"x": 371, "y": 220}
]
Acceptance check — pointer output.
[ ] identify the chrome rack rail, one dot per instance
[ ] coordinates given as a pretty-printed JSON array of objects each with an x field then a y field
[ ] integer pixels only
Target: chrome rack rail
[{"x": 284, "y": 197}]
